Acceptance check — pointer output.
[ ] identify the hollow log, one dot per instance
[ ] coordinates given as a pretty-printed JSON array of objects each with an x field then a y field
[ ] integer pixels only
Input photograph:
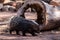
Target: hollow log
[{"x": 45, "y": 16}]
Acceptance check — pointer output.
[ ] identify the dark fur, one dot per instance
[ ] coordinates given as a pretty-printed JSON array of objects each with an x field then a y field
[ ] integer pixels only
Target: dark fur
[
  {"x": 47, "y": 1},
  {"x": 21, "y": 24}
]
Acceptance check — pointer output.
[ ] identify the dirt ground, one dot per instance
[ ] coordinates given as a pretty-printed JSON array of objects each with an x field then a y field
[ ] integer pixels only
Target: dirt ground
[
  {"x": 4, "y": 17},
  {"x": 41, "y": 36}
]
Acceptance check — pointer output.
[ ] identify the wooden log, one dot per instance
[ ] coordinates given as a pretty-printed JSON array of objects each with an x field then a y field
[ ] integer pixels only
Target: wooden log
[{"x": 45, "y": 16}]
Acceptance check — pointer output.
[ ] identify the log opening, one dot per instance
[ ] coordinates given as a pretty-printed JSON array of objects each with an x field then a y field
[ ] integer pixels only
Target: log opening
[{"x": 36, "y": 5}]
